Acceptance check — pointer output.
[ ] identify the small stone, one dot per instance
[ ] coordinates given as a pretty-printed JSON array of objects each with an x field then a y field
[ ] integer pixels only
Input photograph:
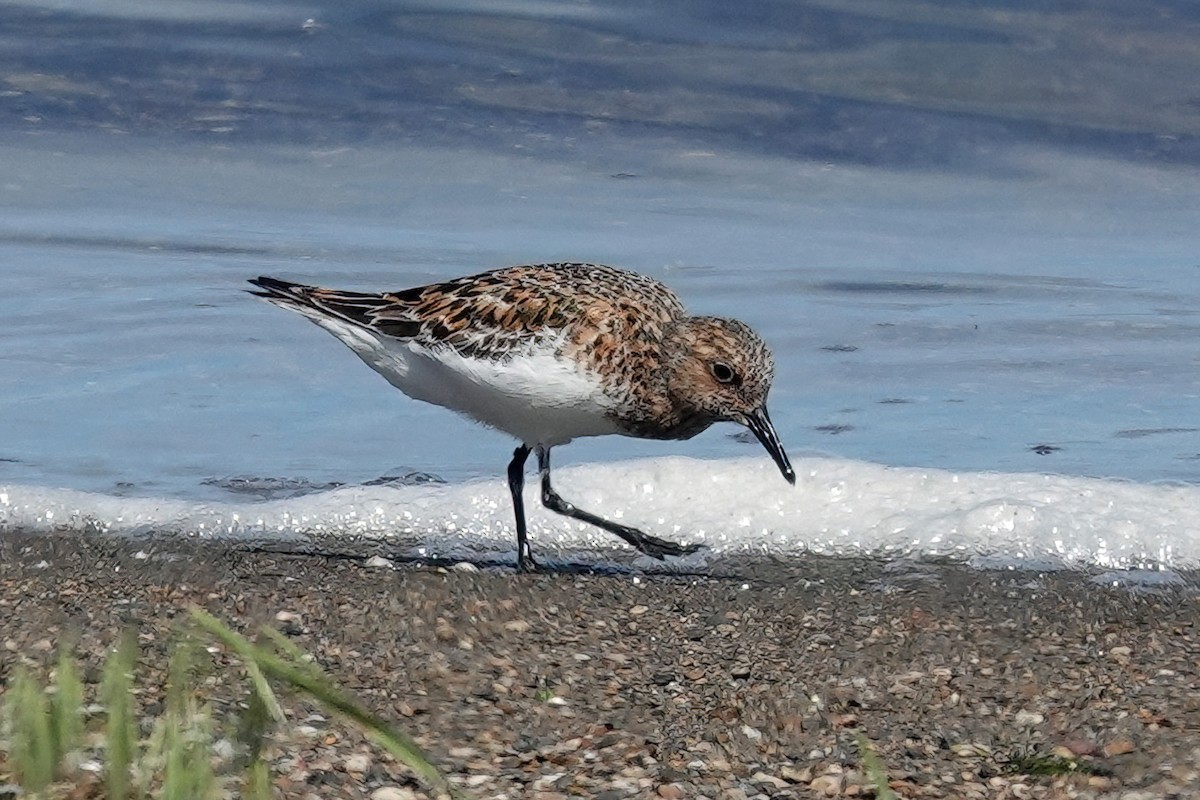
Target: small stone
[
  {"x": 763, "y": 779},
  {"x": 827, "y": 785},
  {"x": 1080, "y": 747},
  {"x": 544, "y": 783},
  {"x": 379, "y": 562},
  {"x": 753, "y": 734},
  {"x": 795, "y": 775},
  {"x": 671, "y": 791},
  {"x": 517, "y": 626},
  {"x": 223, "y": 749},
  {"x": 289, "y": 623},
  {"x": 393, "y": 793},
  {"x": 970, "y": 750},
  {"x": 466, "y": 567},
  {"x": 1118, "y": 747},
  {"x": 637, "y": 611},
  {"x": 357, "y": 763},
  {"x": 1120, "y": 654},
  {"x": 1027, "y": 719}
]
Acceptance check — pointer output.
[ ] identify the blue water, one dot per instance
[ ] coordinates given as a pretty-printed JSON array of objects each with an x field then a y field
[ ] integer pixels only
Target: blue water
[{"x": 970, "y": 237}]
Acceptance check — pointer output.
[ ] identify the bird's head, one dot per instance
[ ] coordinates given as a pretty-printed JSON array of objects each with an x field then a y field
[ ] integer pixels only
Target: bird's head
[{"x": 722, "y": 370}]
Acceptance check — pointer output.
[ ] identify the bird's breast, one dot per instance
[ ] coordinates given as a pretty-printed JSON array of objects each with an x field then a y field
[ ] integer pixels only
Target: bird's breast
[{"x": 538, "y": 396}]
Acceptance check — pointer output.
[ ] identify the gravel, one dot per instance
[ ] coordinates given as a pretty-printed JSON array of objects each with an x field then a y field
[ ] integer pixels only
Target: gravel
[{"x": 761, "y": 682}]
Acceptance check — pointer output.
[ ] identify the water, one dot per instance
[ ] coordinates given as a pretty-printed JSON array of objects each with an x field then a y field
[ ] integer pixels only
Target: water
[{"x": 970, "y": 238}]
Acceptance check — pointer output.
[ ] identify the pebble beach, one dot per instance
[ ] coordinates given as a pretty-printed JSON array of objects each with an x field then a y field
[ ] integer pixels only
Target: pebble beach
[{"x": 765, "y": 680}]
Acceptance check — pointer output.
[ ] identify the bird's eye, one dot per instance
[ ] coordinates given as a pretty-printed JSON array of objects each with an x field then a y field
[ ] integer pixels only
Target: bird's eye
[{"x": 723, "y": 372}]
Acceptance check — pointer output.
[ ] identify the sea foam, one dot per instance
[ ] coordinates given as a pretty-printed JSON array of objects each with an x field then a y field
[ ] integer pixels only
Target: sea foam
[{"x": 739, "y": 506}]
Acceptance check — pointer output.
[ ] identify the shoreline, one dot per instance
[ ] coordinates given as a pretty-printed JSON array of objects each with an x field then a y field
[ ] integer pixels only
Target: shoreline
[{"x": 758, "y": 681}]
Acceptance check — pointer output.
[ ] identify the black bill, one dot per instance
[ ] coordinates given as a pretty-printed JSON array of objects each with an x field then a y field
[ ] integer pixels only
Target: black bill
[{"x": 760, "y": 425}]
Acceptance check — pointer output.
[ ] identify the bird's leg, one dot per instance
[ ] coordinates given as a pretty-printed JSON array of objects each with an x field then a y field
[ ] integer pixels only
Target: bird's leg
[
  {"x": 650, "y": 545},
  {"x": 516, "y": 483}
]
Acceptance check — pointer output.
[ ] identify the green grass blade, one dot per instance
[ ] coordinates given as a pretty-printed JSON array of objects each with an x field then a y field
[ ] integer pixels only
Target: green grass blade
[
  {"x": 188, "y": 770},
  {"x": 258, "y": 781},
  {"x": 179, "y": 679},
  {"x": 152, "y": 758},
  {"x": 255, "y": 723},
  {"x": 307, "y": 678},
  {"x": 875, "y": 769},
  {"x": 116, "y": 691},
  {"x": 264, "y": 693},
  {"x": 264, "y": 710},
  {"x": 186, "y": 748},
  {"x": 174, "y": 786},
  {"x": 67, "y": 708},
  {"x": 32, "y": 748},
  {"x": 290, "y": 651}
]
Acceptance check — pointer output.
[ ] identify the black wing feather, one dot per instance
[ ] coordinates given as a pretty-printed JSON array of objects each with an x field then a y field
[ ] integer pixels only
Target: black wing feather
[{"x": 360, "y": 308}]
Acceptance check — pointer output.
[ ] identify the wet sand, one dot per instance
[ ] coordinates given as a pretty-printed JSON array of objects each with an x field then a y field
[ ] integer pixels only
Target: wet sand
[{"x": 754, "y": 683}]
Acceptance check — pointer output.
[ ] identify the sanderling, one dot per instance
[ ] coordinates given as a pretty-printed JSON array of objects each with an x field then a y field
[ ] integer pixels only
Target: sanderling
[{"x": 552, "y": 352}]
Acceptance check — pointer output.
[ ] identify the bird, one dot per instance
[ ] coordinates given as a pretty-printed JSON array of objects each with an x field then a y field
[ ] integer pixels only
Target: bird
[{"x": 549, "y": 353}]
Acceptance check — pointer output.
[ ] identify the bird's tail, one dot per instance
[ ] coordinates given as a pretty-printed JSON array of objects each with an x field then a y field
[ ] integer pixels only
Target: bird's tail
[{"x": 375, "y": 312}]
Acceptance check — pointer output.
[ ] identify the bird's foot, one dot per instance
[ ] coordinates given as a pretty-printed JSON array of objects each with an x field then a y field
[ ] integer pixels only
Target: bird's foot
[
  {"x": 661, "y": 548},
  {"x": 525, "y": 563}
]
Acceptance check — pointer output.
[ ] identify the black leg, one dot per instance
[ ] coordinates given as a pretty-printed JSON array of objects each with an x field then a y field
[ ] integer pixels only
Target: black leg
[
  {"x": 516, "y": 482},
  {"x": 650, "y": 545}
]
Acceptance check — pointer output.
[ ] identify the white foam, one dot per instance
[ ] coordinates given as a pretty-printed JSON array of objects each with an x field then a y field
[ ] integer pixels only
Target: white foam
[{"x": 734, "y": 506}]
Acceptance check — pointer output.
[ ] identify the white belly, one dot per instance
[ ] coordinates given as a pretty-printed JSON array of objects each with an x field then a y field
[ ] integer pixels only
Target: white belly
[{"x": 538, "y": 398}]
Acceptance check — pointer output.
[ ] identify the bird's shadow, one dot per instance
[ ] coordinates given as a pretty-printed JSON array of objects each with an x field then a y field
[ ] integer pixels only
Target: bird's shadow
[{"x": 562, "y": 565}]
